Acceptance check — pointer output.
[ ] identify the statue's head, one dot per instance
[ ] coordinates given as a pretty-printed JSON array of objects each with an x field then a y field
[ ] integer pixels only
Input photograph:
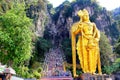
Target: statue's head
[{"x": 84, "y": 15}]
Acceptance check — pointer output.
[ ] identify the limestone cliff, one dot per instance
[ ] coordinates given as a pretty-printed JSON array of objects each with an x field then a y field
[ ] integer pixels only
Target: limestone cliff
[
  {"x": 37, "y": 10},
  {"x": 116, "y": 17}
]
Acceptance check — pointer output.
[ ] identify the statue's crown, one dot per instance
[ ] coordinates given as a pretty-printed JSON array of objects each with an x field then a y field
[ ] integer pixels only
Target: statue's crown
[
  {"x": 80, "y": 13},
  {"x": 85, "y": 12}
]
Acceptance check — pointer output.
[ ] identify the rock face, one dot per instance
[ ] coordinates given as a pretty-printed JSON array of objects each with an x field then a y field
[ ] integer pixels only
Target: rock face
[
  {"x": 66, "y": 15},
  {"x": 38, "y": 12},
  {"x": 116, "y": 17},
  {"x": 116, "y": 12}
]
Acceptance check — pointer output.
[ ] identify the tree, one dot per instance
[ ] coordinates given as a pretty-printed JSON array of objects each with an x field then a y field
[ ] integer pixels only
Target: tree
[
  {"x": 105, "y": 50},
  {"x": 117, "y": 47},
  {"x": 66, "y": 46},
  {"x": 42, "y": 46},
  {"x": 15, "y": 37}
]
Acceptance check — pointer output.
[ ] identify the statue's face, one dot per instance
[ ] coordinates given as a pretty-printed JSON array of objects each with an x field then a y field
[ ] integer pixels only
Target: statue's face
[{"x": 85, "y": 17}]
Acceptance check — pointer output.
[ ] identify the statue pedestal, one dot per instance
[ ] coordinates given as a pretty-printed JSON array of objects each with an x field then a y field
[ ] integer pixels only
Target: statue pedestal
[
  {"x": 87, "y": 76},
  {"x": 57, "y": 78}
]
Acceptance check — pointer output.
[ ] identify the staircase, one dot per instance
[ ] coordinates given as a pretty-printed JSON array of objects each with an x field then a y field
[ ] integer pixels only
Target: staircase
[
  {"x": 54, "y": 62},
  {"x": 54, "y": 59}
]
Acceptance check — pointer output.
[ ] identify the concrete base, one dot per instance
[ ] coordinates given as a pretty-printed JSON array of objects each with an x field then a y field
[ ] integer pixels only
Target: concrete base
[
  {"x": 57, "y": 78},
  {"x": 87, "y": 76}
]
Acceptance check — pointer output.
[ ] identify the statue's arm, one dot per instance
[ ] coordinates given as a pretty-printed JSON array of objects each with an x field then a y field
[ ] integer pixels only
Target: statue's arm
[
  {"x": 76, "y": 28},
  {"x": 96, "y": 32}
]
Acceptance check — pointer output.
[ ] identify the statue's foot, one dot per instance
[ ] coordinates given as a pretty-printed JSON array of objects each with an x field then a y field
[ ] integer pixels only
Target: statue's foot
[
  {"x": 75, "y": 75},
  {"x": 94, "y": 73},
  {"x": 100, "y": 73}
]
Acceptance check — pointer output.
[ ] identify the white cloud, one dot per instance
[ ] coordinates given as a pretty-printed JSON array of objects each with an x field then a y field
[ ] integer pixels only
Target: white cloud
[
  {"x": 56, "y": 2},
  {"x": 108, "y": 4}
]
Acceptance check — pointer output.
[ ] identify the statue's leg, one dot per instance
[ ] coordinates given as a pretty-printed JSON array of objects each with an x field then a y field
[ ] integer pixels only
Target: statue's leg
[
  {"x": 85, "y": 55},
  {"x": 74, "y": 65},
  {"x": 93, "y": 60},
  {"x": 85, "y": 59},
  {"x": 80, "y": 53},
  {"x": 80, "y": 56},
  {"x": 99, "y": 64},
  {"x": 90, "y": 63}
]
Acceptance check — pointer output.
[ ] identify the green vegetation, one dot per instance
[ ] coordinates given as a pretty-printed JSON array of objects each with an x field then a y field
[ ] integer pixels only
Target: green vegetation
[
  {"x": 19, "y": 47},
  {"x": 117, "y": 52},
  {"x": 50, "y": 8},
  {"x": 4, "y": 6},
  {"x": 15, "y": 37},
  {"x": 117, "y": 47},
  {"x": 40, "y": 4},
  {"x": 114, "y": 67},
  {"x": 66, "y": 46},
  {"x": 41, "y": 47},
  {"x": 33, "y": 72},
  {"x": 105, "y": 50}
]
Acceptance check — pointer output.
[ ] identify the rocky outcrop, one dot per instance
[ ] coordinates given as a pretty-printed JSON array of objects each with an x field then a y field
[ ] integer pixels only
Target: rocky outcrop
[
  {"x": 38, "y": 12},
  {"x": 116, "y": 12}
]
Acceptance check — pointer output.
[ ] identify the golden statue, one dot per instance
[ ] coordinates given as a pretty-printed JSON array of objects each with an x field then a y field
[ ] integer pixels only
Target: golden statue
[{"x": 87, "y": 45}]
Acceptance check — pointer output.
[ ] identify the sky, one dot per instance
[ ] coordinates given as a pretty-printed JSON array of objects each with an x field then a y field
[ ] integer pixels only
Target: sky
[{"x": 108, "y": 4}]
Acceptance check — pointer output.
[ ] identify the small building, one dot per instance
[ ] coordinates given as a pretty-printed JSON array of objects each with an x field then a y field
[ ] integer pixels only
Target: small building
[{"x": 6, "y": 72}]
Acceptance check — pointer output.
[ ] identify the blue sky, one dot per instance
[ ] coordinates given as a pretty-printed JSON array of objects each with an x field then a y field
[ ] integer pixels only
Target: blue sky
[{"x": 108, "y": 4}]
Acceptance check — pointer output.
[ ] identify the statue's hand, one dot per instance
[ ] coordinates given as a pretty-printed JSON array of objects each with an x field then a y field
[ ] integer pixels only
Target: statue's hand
[
  {"x": 90, "y": 38},
  {"x": 96, "y": 40},
  {"x": 80, "y": 26},
  {"x": 92, "y": 43}
]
